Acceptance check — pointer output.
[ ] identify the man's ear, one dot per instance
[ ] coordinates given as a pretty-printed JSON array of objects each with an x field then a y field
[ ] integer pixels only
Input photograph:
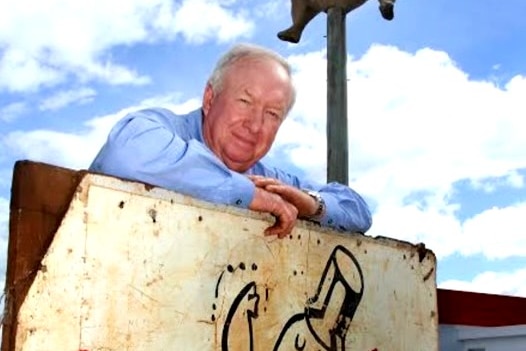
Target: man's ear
[{"x": 208, "y": 97}]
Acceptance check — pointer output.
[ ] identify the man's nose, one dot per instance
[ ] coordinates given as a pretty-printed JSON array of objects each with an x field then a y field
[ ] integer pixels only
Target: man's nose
[{"x": 255, "y": 120}]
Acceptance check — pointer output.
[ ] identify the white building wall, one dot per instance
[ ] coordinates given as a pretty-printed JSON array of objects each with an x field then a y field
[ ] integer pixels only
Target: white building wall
[
  {"x": 448, "y": 338},
  {"x": 467, "y": 338}
]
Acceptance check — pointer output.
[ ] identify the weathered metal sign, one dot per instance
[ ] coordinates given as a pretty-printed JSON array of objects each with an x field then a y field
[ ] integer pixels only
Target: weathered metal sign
[{"x": 139, "y": 268}]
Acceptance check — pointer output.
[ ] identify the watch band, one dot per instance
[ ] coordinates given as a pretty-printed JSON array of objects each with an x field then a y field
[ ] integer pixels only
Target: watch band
[{"x": 320, "y": 211}]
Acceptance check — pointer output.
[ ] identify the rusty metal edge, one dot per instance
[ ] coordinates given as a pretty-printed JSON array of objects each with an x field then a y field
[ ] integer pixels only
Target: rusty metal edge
[{"x": 30, "y": 180}]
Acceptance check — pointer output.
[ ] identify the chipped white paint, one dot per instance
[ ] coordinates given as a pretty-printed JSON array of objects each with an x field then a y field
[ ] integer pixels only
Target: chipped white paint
[{"x": 132, "y": 268}]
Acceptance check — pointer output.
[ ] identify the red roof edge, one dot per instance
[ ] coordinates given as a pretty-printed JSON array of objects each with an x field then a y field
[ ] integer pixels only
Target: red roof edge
[{"x": 478, "y": 309}]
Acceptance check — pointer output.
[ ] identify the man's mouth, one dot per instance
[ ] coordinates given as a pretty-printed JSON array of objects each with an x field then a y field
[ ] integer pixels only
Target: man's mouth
[{"x": 244, "y": 141}]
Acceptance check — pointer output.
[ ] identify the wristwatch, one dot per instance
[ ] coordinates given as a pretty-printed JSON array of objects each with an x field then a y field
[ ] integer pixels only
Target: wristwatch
[{"x": 320, "y": 211}]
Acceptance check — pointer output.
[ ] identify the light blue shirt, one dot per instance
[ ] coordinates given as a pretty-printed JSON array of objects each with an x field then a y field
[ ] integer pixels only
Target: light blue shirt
[{"x": 161, "y": 148}]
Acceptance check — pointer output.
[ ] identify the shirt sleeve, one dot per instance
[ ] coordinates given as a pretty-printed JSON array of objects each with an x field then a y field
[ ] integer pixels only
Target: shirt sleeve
[
  {"x": 144, "y": 148},
  {"x": 346, "y": 210}
]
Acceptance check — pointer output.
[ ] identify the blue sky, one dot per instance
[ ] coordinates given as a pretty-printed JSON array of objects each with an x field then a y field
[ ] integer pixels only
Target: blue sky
[{"x": 436, "y": 112}]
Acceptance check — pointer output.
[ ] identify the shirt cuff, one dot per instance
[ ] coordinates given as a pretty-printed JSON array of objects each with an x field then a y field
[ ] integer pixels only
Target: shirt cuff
[
  {"x": 243, "y": 193},
  {"x": 329, "y": 218}
]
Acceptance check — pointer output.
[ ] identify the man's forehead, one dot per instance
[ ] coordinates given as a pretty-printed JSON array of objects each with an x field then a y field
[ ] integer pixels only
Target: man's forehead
[
  {"x": 261, "y": 62},
  {"x": 248, "y": 71},
  {"x": 276, "y": 98}
]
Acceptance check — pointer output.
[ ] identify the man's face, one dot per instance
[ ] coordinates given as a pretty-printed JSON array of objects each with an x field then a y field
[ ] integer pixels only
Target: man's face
[{"x": 242, "y": 118}]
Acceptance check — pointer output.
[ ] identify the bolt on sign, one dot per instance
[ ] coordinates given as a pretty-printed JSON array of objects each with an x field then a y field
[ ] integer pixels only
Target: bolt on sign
[{"x": 134, "y": 267}]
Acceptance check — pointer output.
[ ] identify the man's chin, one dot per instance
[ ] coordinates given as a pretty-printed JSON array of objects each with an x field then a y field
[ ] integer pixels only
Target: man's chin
[{"x": 239, "y": 164}]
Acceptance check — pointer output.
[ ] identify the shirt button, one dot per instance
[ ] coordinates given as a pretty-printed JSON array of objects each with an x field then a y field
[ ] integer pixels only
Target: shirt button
[{"x": 239, "y": 202}]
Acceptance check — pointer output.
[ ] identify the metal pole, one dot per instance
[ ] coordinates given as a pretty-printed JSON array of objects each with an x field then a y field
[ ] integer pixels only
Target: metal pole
[{"x": 337, "y": 144}]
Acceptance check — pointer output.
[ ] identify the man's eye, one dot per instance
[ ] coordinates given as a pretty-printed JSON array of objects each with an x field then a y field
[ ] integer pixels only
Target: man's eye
[
  {"x": 274, "y": 115},
  {"x": 244, "y": 101}
]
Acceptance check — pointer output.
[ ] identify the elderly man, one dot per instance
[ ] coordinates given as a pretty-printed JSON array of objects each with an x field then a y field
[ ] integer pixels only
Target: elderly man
[{"x": 214, "y": 153}]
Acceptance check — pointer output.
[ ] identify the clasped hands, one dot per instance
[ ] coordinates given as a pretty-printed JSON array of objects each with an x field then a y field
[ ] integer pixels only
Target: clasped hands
[{"x": 285, "y": 202}]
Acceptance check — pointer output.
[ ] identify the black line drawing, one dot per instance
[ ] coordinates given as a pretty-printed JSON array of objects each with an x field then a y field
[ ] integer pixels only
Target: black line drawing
[
  {"x": 242, "y": 310},
  {"x": 328, "y": 314},
  {"x": 247, "y": 295},
  {"x": 322, "y": 326}
]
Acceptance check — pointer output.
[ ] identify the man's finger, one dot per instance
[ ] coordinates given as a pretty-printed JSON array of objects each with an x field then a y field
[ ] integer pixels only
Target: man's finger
[
  {"x": 285, "y": 222},
  {"x": 279, "y": 189},
  {"x": 254, "y": 177},
  {"x": 263, "y": 181},
  {"x": 280, "y": 229}
]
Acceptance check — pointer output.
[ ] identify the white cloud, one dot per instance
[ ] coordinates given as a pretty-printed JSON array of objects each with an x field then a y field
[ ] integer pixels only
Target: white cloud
[
  {"x": 408, "y": 110},
  {"x": 12, "y": 111},
  {"x": 201, "y": 20},
  {"x": 66, "y": 97},
  {"x": 272, "y": 9},
  {"x": 77, "y": 150},
  {"x": 303, "y": 132},
  {"x": 112, "y": 73},
  {"x": 513, "y": 179},
  {"x": 46, "y": 43},
  {"x": 20, "y": 71},
  {"x": 53, "y": 147},
  {"x": 4, "y": 213},
  {"x": 6, "y": 176},
  {"x": 437, "y": 228},
  {"x": 496, "y": 232},
  {"x": 4, "y": 220},
  {"x": 418, "y": 124},
  {"x": 503, "y": 283}
]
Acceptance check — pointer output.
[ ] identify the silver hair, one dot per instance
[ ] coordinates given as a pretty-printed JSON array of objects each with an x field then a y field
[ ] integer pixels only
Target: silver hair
[{"x": 241, "y": 51}]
